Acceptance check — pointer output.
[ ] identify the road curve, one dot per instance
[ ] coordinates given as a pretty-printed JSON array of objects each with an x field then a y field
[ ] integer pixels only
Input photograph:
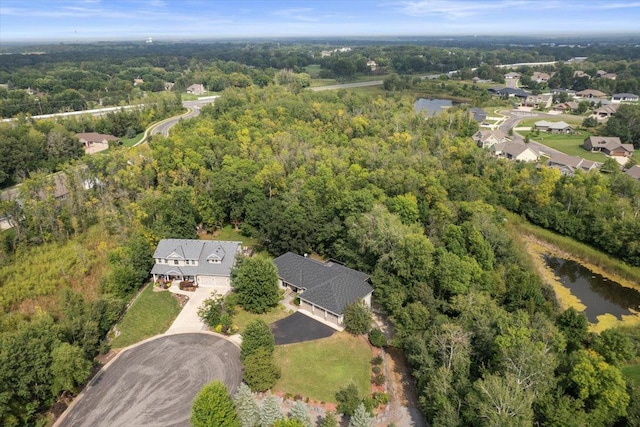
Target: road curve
[{"x": 154, "y": 383}]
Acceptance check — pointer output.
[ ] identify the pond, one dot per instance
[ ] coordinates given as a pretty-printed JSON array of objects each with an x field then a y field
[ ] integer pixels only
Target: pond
[
  {"x": 433, "y": 106},
  {"x": 597, "y": 293}
]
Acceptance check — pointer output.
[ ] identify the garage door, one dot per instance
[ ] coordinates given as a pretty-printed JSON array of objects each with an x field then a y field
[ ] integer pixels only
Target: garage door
[
  {"x": 206, "y": 281},
  {"x": 332, "y": 318}
]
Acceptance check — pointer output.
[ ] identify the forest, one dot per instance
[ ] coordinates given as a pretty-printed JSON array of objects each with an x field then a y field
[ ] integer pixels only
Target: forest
[
  {"x": 356, "y": 176},
  {"x": 362, "y": 179}
]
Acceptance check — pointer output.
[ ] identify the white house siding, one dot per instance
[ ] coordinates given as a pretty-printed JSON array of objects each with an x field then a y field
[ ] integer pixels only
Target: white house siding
[
  {"x": 527, "y": 156},
  {"x": 367, "y": 300}
]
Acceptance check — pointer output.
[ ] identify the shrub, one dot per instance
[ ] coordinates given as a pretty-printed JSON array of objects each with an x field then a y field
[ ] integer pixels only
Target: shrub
[
  {"x": 377, "y": 360},
  {"x": 376, "y": 369},
  {"x": 260, "y": 372},
  {"x": 357, "y": 318},
  {"x": 348, "y": 399},
  {"x": 256, "y": 335},
  {"x": 377, "y": 338},
  {"x": 379, "y": 379},
  {"x": 380, "y": 398},
  {"x": 213, "y": 406}
]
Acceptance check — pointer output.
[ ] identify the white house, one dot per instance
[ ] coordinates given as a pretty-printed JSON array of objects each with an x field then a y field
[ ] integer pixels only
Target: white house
[
  {"x": 515, "y": 151},
  {"x": 624, "y": 97},
  {"x": 208, "y": 263}
]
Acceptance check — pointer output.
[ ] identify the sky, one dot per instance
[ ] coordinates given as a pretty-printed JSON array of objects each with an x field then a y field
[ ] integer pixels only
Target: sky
[{"x": 91, "y": 20}]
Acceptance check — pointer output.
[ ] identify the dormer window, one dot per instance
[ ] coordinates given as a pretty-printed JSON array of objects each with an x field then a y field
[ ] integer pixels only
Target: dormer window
[{"x": 175, "y": 262}]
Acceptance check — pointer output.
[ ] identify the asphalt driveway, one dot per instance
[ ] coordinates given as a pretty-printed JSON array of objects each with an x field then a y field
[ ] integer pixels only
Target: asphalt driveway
[
  {"x": 153, "y": 384},
  {"x": 299, "y": 328}
]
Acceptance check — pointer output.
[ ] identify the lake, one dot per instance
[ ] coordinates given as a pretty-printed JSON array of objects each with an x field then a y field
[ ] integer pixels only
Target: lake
[
  {"x": 433, "y": 106},
  {"x": 600, "y": 295}
]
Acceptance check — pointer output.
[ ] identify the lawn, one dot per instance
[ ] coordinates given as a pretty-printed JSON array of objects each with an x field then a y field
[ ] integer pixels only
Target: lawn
[
  {"x": 130, "y": 142},
  {"x": 242, "y": 317},
  {"x": 151, "y": 314},
  {"x": 631, "y": 372},
  {"x": 568, "y": 144},
  {"x": 228, "y": 233},
  {"x": 317, "y": 369},
  {"x": 575, "y": 121},
  {"x": 323, "y": 82}
]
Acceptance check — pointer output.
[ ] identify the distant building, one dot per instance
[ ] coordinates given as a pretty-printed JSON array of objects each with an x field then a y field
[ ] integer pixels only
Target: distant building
[
  {"x": 553, "y": 127},
  {"x": 196, "y": 89},
  {"x": 169, "y": 85},
  {"x": 512, "y": 75},
  {"x": 608, "y": 145},
  {"x": 137, "y": 82},
  {"x": 634, "y": 172},
  {"x": 372, "y": 65},
  {"x": 516, "y": 151},
  {"x": 624, "y": 97},
  {"x": 569, "y": 165},
  {"x": 591, "y": 93},
  {"x": 488, "y": 138},
  {"x": 479, "y": 115}
]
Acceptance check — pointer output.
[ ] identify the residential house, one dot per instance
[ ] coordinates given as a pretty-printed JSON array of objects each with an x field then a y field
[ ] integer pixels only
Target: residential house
[
  {"x": 196, "y": 89},
  {"x": 137, "y": 82},
  {"x": 604, "y": 112},
  {"x": 516, "y": 151},
  {"x": 553, "y": 127},
  {"x": 591, "y": 93},
  {"x": 512, "y": 75},
  {"x": 634, "y": 172},
  {"x": 608, "y": 145},
  {"x": 325, "y": 53},
  {"x": 569, "y": 165},
  {"x": 540, "y": 77},
  {"x": 542, "y": 101},
  {"x": 93, "y": 142},
  {"x": 570, "y": 93},
  {"x": 372, "y": 65},
  {"x": 325, "y": 289},
  {"x": 207, "y": 263},
  {"x": 488, "y": 138},
  {"x": 624, "y": 97},
  {"x": 509, "y": 92},
  {"x": 168, "y": 86},
  {"x": 479, "y": 115},
  {"x": 564, "y": 107},
  {"x": 601, "y": 74}
]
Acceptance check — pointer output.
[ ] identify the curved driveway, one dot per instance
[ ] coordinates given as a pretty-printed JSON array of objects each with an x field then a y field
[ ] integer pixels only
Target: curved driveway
[{"x": 154, "y": 383}]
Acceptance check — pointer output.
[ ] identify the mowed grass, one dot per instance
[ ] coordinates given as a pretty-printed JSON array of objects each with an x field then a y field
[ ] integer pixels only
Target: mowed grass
[
  {"x": 242, "y": 317},
  {"x": 631, "y": 372},
  {"x": 130, "y": 142},
  {"x": 568, "y": 144},
  {"x": 228, "y": 233},
  {"x": 151, "y": 314},
  {"x": 317, "y": 369}
]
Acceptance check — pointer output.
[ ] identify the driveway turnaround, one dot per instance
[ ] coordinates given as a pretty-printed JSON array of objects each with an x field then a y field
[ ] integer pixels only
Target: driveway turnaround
[
  {"x": 299, "y": 328},
  {"x": 154, "y": 383}
]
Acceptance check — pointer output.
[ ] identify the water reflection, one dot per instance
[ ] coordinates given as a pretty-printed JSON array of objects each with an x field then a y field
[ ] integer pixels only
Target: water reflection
[
  {"x": 600, "y": 295},
  {"x": 432, "y": 106}
]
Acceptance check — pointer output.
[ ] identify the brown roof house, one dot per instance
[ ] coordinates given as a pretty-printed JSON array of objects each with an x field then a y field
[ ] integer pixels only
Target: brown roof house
[
  {"x": 488, "y": 138},
  {"x": 569, "y": 165},
  {"x": 94, "y": 142},
  {"x": 634, "y": 172},
  {"x": 591, "y": 93},
  {"x": 605, "y": 112},
  {"x": 608, "y": 145},
  {"x": 538, "y": 101}
]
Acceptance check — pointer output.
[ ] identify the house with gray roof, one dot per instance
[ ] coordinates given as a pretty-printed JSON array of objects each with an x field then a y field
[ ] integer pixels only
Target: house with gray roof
[
  {"x": 487, "y": 138},
  {"x": 634, "y": 172},
  {"x": 608, "y": 145},
  {"x": 207, "y": 263},
  {"x": 515, "y": 151},
  {"x": 553, "y": 127},
  {"x": 624, "y": 97},
  {"x": 326, "y": 288},
  {"x": 569, "y": 165}
]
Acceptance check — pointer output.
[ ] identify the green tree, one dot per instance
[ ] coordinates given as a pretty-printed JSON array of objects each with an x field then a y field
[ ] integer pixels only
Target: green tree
[
  {"x": 260, "y": 370},
  {"x": 348, "y": 399},
  {"x": 213, "y": 407},
  {"x": 246, "y": 407},
  {"x": 500, "y": 401},
  {"x": 69, "y": 367},
  {"x": 575, "y": 326},
  {"x": 256, "y": 283},
  {"x": 625, "y": 124},
  {"x": 288, "y": 423},
  {"x": 360, "y": 417},
  {"x": 257, "y": 335},
  {"x": 213, "y": 309},
  {"x": 357, "y": 318},
  {"x": 299, "y": 413},
  {"x": 329, "y": 420},
  {"x": 270, "y": 411},
  {"x": 614, "y": 346},
  {"x": 599, "y": 385}
]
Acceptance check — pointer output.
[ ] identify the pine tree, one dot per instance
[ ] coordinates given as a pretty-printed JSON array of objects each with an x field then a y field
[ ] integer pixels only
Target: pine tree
[
  {"x": 360, "y": 417},
  {"x": 329, "y": 420},
  {"x": 213, "y": 406},
  {"x": 246, "y": 406},
  {"x": 270, "y": 412},
  {"x": 299, "y": 412}
]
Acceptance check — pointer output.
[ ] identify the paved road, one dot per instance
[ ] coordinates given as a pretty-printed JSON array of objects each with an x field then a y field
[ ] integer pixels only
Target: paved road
[
  {"x": 193, "y": 108},
  {"x": 512, "y": 121},
  {"x": 347, "y": 85},
  {"x": 153, "y": 384}
]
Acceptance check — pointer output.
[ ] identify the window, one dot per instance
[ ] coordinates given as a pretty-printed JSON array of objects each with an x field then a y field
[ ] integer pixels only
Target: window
[
  {"x": 186, "y": 262},
  {"x": 175, "y": 261}
]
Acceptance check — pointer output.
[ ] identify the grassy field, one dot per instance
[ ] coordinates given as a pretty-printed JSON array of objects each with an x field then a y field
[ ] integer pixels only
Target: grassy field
[
  {"x": 631, "y": 372},
  {"x": 229, "y": 234},
  {"x": 568, "y": 144},
  {"x": 242, "y": 317},
  {"x": 151, "y": 314},
  {"x": 313, "y": 70},
  {"x": 130, "y": 142},
  {"x": 317, "y": 369}
]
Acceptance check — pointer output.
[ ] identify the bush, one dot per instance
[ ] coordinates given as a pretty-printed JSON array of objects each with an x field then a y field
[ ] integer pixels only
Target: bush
[
  {"x": 376, "y": 369},
  {"x": 348, "y": 399},
  {"x": 256, "y": 335},
  {"x": 379, "y": 379},
  {"x": 260, "y": 372},
  {"x": 357, "y": 318},
  {"x": 377, "y": 338},
  {"x": 377, "y": 360},
  {"x": 213, "y": 406},
  {"x": 380, "y": 398}
]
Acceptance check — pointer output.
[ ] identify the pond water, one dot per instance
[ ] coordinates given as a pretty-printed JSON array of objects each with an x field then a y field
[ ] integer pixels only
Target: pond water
[
  {"x": 600, "y": 295},
  {"x": 432, "y": 106}
]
